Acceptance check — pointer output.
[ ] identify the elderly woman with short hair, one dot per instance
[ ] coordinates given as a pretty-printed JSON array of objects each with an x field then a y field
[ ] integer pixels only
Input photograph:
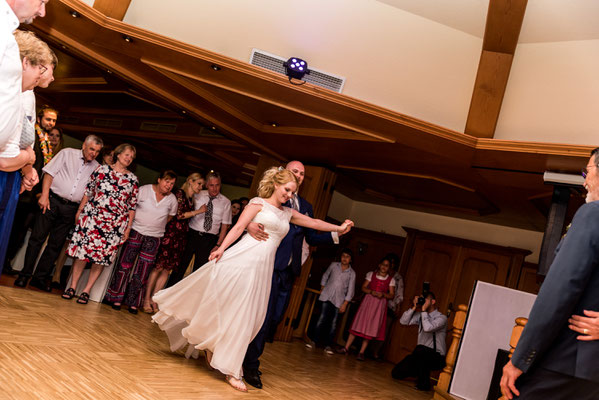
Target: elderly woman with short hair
[
  {"x": 104, "y": 219},
  {"x": 156, "y": 206},
  {"x": 174, "y": 240}
]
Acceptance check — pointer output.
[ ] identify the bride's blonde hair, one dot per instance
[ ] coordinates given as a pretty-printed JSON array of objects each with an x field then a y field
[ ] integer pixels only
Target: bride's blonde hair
[{"x": 272, "y": 176}]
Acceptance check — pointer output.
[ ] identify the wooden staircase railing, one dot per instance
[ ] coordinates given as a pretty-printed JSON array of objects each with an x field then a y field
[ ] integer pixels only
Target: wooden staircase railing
[{"x": 441, "y": 390}]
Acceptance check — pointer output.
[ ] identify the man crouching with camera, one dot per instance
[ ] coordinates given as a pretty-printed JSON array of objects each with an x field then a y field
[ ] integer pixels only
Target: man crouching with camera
[{"x": 429, "y": 354}]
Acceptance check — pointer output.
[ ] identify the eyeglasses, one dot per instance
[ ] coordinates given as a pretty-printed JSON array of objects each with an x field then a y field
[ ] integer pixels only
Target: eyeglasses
[
  {"x": 42, "y": 68},
  {"x": 585, "y": 170}
]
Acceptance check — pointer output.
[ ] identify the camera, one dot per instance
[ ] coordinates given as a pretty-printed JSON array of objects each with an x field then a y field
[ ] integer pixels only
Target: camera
[{"x": 426, "y": 288}]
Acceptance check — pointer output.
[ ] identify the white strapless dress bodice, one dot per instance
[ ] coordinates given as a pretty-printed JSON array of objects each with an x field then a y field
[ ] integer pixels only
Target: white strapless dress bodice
[{"x": 221, "y": 306}]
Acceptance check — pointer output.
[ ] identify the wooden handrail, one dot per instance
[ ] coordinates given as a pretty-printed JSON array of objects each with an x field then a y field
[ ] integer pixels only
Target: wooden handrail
[{"x": 442, "y": 387}]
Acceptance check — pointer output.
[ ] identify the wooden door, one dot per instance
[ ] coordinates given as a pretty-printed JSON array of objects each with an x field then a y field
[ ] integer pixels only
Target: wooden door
[{"x": 433, "y": 262}]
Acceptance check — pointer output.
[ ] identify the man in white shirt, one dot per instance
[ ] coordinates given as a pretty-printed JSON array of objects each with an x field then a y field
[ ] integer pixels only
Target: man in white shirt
[
  {"x": 206, "y": 230},
  {"x": 429, "y": 354},
  {"x": 63, "y": 187}
]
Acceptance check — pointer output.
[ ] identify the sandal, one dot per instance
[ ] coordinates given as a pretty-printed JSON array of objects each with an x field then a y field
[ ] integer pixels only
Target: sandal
[
  {"x": 236, "y": 384},
  {"x": 68, "y": 294},
  {"x": 83, "y": 298}
]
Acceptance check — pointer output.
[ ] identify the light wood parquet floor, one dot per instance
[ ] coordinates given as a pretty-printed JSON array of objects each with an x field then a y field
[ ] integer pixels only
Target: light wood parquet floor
[{"x": 52, "y": 348}]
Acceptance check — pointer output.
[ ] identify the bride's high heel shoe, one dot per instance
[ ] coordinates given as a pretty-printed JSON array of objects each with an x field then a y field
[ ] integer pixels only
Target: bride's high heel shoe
[{"x": 237, "y": 384}]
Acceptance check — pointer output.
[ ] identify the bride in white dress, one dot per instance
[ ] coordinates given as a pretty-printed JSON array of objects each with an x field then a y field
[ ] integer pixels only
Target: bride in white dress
[{"x": 220, "y": 307}]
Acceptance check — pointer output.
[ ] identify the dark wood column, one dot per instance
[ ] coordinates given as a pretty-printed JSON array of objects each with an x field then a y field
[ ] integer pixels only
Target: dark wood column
[{"x": 554, "y": 228}]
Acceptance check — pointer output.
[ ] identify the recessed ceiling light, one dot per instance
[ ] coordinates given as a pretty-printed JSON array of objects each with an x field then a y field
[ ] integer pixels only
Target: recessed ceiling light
[
  {"x": 215, "y": 67},
  {"x": 127, "y": 38},
  {"x": 74, "y": 14},
  {"x": 213, "y": 128},
  {"x": 183, "y": 112}
]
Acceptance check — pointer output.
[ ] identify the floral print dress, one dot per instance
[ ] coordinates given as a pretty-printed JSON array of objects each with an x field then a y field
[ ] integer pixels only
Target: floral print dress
[
  {"x": 175, "y": 235},
  {"x": 102, "y": 223}
]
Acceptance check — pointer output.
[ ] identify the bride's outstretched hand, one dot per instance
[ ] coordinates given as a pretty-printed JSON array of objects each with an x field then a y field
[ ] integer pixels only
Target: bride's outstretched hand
[
  {"x": 346, "y": 226},
  {"x": 216, "y": 255}
]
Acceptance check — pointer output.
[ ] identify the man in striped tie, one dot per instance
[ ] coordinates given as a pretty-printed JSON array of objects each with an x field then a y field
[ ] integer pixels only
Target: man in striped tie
[{"x": 206, "y": 230}]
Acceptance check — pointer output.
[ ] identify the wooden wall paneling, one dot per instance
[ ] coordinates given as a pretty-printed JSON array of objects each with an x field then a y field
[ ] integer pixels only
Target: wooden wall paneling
[
  {"x": 451, "y": 265},
  {"x": 478, "y": 265},
  {"x": 529, "y": 279}
]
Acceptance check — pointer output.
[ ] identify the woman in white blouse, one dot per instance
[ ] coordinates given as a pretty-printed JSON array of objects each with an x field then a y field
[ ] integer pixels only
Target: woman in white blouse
[{"x": 156, "y": 205}]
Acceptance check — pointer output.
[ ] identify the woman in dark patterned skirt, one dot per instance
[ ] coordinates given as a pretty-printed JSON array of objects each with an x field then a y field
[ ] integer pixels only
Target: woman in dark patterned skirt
[
  {"x": 104, "y": 219},
  {"x": 174, "y": 240}
]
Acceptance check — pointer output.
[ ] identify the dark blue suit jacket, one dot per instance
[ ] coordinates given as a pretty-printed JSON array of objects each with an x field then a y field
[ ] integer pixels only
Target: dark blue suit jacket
[
  {"x": 571, "y": 286},
  {"x": 291, "y": 245}
]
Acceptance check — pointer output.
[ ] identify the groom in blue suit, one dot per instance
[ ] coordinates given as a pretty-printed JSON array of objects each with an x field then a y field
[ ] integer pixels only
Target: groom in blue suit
[{"x": 288, "y": 265}]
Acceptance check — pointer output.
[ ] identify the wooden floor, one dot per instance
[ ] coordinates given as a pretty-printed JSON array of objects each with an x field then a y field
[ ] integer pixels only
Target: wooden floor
[{"x": 52, "y": 348}]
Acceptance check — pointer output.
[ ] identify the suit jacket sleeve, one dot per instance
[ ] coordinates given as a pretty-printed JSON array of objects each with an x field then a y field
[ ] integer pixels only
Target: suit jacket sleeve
[
  {"x": 563, "y": 287},
  {"x": 312, "y": 237}
]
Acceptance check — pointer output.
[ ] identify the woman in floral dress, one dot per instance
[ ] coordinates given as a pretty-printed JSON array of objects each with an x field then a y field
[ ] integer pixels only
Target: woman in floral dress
[
  {"x": 104, "y": 219},
  {"x": 174, "y": 240}
]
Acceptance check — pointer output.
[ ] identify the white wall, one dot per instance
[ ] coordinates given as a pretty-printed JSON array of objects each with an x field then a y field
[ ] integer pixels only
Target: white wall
[
  {"x": 390, "y": 220},
  {"x": 552, "y": 94},
  {"x": 390, "y": 57}
]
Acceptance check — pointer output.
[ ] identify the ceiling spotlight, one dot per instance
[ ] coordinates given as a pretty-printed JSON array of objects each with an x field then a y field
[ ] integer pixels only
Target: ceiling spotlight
[
  {"x": 183, "y": 112},
  {"x": 74, "y": 14},
  {"x": 296, "y": 68},
  {"x": 274, "y": 124},
  {"x": 213, "y": 128},
  {"x": 215, "y": 67},
  {"x": 127, "y": 38}
]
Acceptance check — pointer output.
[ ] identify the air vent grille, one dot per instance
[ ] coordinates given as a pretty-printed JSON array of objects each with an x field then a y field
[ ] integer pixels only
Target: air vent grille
[
  {"x": 108, "y": 123},
  {"x": 315, "y": 77},
  {"x": 157, "y": 127}
]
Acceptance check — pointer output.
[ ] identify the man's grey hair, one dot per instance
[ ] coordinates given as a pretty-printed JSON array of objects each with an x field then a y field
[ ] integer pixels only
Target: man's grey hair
[{"x": 95, "y": 139}]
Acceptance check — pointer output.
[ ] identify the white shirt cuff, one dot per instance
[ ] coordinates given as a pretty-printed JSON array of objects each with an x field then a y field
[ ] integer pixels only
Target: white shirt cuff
[{"x": 335, "y": 236}]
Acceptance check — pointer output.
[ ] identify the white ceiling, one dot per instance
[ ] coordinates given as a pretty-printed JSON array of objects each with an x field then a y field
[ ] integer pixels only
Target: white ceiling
[{"x": 544, "y": 21}]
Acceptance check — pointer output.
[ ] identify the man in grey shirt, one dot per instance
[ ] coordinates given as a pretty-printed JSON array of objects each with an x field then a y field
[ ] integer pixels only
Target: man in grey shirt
[
  {"x": 429, "y": 354},
  {"x": 64, "y": 183}
]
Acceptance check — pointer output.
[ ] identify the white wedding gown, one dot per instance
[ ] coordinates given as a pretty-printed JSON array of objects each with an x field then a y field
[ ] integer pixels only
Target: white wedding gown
[{"x": 221, "y": 306}]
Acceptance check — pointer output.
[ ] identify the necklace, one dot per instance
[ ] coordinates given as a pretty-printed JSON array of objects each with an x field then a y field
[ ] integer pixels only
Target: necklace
[{"x": 44, "y": 144}]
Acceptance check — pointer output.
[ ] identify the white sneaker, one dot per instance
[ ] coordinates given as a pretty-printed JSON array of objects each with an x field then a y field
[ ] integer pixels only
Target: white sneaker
[
  {"x": 310, "y": 344},
  {"x": 329, "y": 351}
]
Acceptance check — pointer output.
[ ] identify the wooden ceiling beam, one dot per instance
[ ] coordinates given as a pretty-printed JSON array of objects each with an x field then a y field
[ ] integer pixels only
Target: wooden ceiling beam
[
  {"x": 126, "y": 113},
  {"x": 163, "y": 137},
  {"x": 409, "y": 174},
  {"x": 113, "y": 8},
  {"x": 504, "y": 22}
]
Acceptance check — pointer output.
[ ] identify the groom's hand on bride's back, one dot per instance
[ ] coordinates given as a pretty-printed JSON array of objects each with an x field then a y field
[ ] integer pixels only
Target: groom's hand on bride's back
[{"x": 256, "y": 231}]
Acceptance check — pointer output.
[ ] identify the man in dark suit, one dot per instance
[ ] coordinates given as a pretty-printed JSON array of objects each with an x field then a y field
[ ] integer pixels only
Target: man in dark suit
[
  {"x": 288, "y": 264},
  {"x": 552, "y": 362}
]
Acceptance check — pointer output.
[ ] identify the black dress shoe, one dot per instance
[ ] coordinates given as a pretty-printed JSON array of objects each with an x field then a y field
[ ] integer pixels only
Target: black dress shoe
[
  {"x": 252, "y": 378},
  {"x": 21, "y": 281},
  {"x": 132, "y": 310},
  {"x": 41, "y": 285},
  {"x": 7, "y": 270}
]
